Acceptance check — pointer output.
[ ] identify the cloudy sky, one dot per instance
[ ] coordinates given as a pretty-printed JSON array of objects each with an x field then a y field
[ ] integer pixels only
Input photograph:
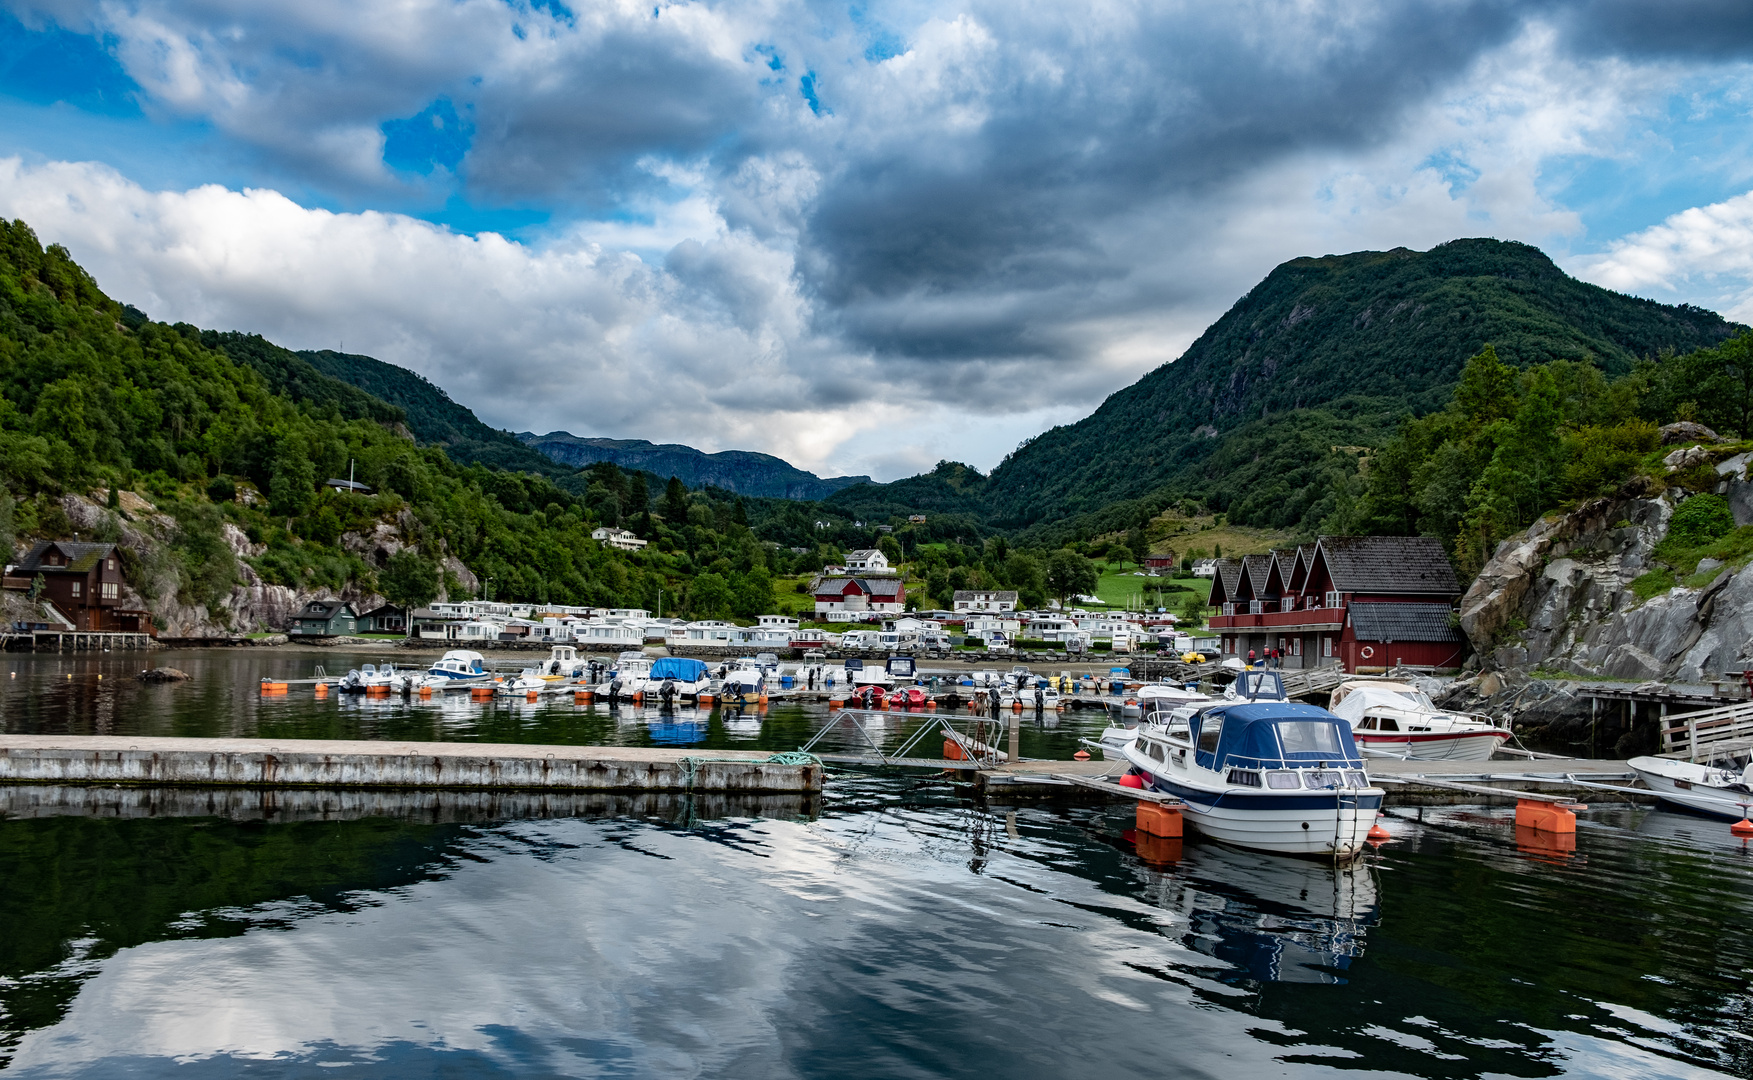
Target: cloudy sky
[{"x": 863, "y": 236}]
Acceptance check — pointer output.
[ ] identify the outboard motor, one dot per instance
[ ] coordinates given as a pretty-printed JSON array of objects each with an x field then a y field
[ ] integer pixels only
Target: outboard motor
[
  {"x": 1040, "y": 700},
  {"x": 615, "y": 690},
  {"x": 667, "y": 691}
]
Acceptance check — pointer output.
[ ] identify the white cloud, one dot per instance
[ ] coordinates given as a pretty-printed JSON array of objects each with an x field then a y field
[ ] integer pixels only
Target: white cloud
[{"x": 1705, "y": 253}]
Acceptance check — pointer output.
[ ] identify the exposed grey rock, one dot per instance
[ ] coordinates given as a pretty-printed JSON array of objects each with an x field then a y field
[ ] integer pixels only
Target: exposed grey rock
[
  {"x": 1686, "y": 431},
  {"x": 1557, "y": 598},
  {"x": 1685, "y": 458}
]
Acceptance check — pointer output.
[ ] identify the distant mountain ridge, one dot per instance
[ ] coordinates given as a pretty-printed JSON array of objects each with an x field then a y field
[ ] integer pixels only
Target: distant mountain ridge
[{"x": 742, "y": 471}]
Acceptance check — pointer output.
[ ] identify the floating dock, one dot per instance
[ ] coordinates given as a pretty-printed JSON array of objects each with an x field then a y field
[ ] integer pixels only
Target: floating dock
[
  {"x": 1406, "y": 783},
  {"x": 317, "y": 763}
]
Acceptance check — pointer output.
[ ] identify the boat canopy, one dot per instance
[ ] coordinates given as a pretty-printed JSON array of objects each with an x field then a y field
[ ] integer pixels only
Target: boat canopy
[
  {"x": 1360, "y": 697},
  {"x": 679, "y": 668},
  {"x": 1272, "y": 735}
]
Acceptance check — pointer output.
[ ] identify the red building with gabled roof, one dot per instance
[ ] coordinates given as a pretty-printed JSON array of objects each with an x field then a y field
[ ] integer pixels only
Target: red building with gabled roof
[{"x": 1367, "y": 603}]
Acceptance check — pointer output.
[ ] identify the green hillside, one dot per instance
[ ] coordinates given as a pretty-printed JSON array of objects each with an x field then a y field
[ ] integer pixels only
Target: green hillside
[{"x": 1325, "y": 353}]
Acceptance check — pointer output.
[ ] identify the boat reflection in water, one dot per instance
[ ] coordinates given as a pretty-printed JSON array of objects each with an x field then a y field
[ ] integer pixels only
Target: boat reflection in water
[{"x": 1273, "y": 917}]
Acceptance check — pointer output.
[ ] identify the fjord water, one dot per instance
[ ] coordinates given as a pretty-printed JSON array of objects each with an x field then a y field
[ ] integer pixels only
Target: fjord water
[{"x": 897, "y": 928}]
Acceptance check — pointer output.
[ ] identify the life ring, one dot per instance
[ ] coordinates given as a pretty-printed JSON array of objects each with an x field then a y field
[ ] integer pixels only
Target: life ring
[{"x": 1366, "y": 652}]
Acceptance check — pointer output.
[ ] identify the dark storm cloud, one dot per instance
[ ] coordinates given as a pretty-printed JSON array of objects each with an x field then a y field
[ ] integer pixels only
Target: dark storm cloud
[{"x": 1682, "y": 29}]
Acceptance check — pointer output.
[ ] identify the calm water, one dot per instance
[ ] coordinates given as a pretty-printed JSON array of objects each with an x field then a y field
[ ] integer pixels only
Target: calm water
[{"x": 895, "y": 929}]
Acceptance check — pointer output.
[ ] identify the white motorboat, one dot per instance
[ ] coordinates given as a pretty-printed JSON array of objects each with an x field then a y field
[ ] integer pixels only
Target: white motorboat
[
  {"x": 743, "y": 684},
  {"x": 676, "y": 678},
  {"x": 1164, "y": 704},
  {"x": 531, "y": 681},
  {"x": 377, "y": 679},
  {"x": 1708, "y": 789},
  {"x": 1398, "y": 720},
  {"x": 460, "y": 668},
  {"x": 564, "y": 663},
  {"x": 1268, "y": 775}
]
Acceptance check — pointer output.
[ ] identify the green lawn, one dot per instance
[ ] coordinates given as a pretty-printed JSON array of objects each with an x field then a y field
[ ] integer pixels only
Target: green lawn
[{"x": 1116, "y": 587}]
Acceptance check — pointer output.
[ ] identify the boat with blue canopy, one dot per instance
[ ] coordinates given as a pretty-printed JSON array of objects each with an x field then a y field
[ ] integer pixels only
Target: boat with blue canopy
[
  {"x": 1268, "y": 775},
  {"x": 676, "y": 677}
]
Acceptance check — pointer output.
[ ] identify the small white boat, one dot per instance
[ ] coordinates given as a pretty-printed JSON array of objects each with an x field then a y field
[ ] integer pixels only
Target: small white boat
[
  {"x": 1398, "y": 720},
  {"x": 743, "y": 685},
  {"x": 1269, "y": 775},
  {"x": 461, "y": 668},
  {"x": 676, "y": 678},
  {"x": 1707, "y": 789},
  {"x": 564, "y": 663},
  {"x": 626, "y": 678},
  {"x": 529, "y": 681}
]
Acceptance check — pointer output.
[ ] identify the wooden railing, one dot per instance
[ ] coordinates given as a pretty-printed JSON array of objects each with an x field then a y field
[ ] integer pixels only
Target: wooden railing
[{"x": 1710, "y": 733}]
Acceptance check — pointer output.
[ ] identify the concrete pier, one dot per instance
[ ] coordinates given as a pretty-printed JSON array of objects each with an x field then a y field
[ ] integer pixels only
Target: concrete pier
[{"x": 315, "y": 763}]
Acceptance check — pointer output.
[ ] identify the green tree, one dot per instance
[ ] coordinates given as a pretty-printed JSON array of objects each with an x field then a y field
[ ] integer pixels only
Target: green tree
[
  {"x": 675, "y": 502},
  {"x": 1138, "y": 544},
  {"x": 710, "y": 595},
  {"x": 1487, "y": 390},
  {"x": 409, "y": 580},
  {"x": 752, "y": 594},
  {"x": 293, "y": 486},
  {"x": 1070, "y": 574},
  {"x": 891, "y": 549}
]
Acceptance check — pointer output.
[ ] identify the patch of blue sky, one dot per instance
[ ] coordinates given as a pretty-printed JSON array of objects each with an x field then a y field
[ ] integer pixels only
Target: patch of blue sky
[
  {"x": 775, "y": 62},
  {"x": 807, "y": 86},
  {"x": 54, "y": 65},
  {"x": 880, "y": 42},
  {"x": 461, "y": 216},
  {"x": 1456, "y": 171},
  {"x": 433, "y": 138},
  {"x": 1698, "y": 151}
]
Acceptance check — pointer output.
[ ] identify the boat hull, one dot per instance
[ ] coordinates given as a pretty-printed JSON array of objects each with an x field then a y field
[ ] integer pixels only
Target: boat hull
[
  {"x": 1682, "y": 784},
  {"x": 1437, "y": 746},
  {"x": 1319, "y": 824}
]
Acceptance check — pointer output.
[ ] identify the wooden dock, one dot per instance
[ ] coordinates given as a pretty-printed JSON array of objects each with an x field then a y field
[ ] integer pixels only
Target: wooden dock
[{"x": 320, "y": 763}]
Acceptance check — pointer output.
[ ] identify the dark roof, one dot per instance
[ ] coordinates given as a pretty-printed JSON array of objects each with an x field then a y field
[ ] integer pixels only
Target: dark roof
[
  {"x": 1257, "y": 566},
  {"x": 1389, "y": 564},
  {"x": 324, "y": 609},
  {"x": 1403, "y": 622},
  {"x": 81, "y": 557},
  {"x": 347, "y": 485},
  {"x": 386, "y": 609},
  {"x": 1227, "y": 578},
  {"x": 874, "y": 586}
]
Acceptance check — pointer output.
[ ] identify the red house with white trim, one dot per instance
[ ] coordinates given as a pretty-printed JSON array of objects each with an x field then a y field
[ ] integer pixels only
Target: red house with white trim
[
  {"x": 848, "y": 599},
  {"x": 1365, "y": 602}
]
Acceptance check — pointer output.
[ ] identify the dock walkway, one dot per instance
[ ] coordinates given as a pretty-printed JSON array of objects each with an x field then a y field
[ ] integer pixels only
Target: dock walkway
[
  {"x": 321, "y": 763},
  {"x": 1400, "y": 779}
]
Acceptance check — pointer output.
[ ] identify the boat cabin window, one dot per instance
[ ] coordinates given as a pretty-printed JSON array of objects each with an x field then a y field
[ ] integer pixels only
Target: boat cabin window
[
  {"x": 1210, "y": 729},
  {"x": 1282, "y": 780},
  {"x": 1155, "y": 750},
  {"x": 1326, "y": 779},
  {"x": 1368, "y": 724},
  {"x": 1357, "y": 779},
  {"x": 1309, "y": 737},
  {"x": 1390, "y": 724},
  {"x": 1244, "y": 777}
]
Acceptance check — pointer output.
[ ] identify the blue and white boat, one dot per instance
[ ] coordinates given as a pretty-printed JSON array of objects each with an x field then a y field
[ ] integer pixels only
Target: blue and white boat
[
  {"x": 1269, "y": 775},
  {"x": 459, "y": 667},
  {"x": 676, "y": 678}
]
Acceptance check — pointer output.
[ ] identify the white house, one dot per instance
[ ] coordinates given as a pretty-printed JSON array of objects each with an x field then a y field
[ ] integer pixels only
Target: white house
[
  {"x": 777, "y": 622},
  {"x": 1206, "y": 568},
  {"x": 984, "y": 600},
  {"x": 867, "y": 561},
  {"x": 616, "y": 538}
]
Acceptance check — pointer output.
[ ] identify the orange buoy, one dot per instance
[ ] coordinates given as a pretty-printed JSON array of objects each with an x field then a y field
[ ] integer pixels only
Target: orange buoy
[
  {"x": 426, "y": 691},
  {"x": 1742, "y": 829},
  {"x": 531, "y": 696},
  {"x": 1132, "y": 780},
  {"x": 322, "y": 689},
  {"x": 1379, "y": 835},
  {"x": 1082, "y": 755}
]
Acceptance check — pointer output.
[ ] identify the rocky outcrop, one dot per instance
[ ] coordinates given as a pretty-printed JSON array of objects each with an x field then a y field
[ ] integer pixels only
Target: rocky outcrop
[{"x": 1558, "y": 598}]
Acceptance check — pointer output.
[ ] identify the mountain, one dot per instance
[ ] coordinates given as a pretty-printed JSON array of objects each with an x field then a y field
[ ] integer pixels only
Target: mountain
[
  {"x": 431, "y": 414},
  {"x": 1320, "y": 361},
  {"x": 742, "y": 471}
]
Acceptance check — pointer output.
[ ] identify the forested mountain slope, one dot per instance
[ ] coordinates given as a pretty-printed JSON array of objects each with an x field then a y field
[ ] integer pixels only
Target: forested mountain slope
[
  {"x": 1327, "y": 353},
  {"x": 744, "y": 472}
]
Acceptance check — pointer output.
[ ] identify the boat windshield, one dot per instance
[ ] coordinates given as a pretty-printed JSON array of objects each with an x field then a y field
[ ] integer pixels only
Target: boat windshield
[
  {"x": 1309, "y": 737},
  {"x": 1418, "y": 698}
]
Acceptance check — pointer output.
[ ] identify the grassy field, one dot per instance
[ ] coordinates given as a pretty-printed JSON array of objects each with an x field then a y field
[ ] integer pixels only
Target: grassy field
[{"x": 1117, "y": 587}]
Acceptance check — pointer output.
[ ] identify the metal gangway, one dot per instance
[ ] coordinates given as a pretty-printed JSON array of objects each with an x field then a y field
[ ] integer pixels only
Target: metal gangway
[{"x": 977, "y": 744}]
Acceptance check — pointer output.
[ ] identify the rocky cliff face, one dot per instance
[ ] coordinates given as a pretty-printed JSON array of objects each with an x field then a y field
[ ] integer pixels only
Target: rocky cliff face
[
  {"x": 1558, "y": 596},
  {"x": 251, "y": 605}
]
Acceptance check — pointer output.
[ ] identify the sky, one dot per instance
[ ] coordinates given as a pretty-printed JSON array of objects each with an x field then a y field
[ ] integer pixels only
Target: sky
[{"x": 864, "y": 237}]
